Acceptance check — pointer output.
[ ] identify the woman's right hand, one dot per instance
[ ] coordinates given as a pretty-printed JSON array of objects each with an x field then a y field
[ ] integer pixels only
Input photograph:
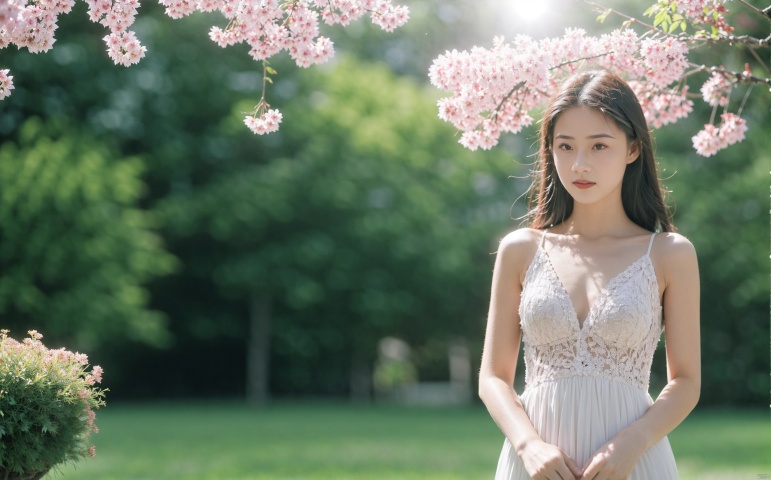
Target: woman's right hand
[{"x": 544, "y": 461}]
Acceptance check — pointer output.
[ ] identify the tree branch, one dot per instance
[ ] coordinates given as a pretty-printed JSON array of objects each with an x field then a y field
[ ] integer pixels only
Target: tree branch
[
  {"x": 730, "y": 39},
  {"x": 630, "y": 19},
  {"x": 763, "y": 13},
  {"x": 760, "y": 61},
  {"x": 507, "y": 96},
  {"x": 738, "y": 77}
]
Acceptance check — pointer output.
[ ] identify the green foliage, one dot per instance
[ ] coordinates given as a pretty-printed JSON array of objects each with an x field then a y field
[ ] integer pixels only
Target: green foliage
[
  {"x": 75, "y": 248},
  {"x": 367, "y": 221},
  {"x": 47, "y": 403},
  {"x": 297, "y": 212},
  {"x": 665, "y": 16},
  {"x": 720, "y": 204}
]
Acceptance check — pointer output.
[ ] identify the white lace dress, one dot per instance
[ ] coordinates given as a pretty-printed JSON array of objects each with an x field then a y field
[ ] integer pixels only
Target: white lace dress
[{"x": 585, "y": 383}]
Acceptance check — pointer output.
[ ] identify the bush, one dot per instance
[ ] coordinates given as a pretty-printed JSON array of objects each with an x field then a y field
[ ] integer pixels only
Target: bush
[{"x": 47, "y": 403}]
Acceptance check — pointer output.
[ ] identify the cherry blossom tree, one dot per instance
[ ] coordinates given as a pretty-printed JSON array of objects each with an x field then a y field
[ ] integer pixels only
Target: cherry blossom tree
[
  {"x": 267, "y": 26},
  {"x": 494, "y": 90}
]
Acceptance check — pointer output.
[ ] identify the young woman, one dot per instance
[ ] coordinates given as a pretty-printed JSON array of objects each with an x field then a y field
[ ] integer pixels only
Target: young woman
[{"x": 589, "y": 287}]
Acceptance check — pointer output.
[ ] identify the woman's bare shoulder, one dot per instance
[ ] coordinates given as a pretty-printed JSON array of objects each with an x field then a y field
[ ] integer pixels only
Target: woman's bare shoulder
[
  {"x": 678, "y": 257},
  {"x": 517, "y": 249},
  {"x": 674, "y": 246},
  {"x": 521, "y": 239}
]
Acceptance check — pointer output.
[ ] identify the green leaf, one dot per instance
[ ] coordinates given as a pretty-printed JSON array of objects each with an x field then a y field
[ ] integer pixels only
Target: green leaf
[
  {"x": 601, "y": 18},
  {"x": 673, "y": 27},
  {"x": 683, "y": 25},
  {"x": 270, "y": 70}
]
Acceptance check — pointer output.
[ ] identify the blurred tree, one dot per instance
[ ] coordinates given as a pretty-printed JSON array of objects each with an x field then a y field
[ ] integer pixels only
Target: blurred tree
[
  {"x": 74, "y": 248},
  {"x": 367, "y": 222},
  {"x": 720, "y": 204},
  {"x": 175, "y": 108}
]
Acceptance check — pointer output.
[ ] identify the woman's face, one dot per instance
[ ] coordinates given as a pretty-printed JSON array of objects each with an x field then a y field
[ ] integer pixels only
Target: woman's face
[{"x": 590, "y": 154}]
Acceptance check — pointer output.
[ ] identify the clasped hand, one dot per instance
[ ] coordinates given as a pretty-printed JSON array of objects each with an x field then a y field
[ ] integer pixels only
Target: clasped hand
[{"x": 613, "y": 461}]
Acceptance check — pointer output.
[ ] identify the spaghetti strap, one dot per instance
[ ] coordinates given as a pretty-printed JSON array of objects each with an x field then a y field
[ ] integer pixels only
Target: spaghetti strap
[
  {"x": 650, "y": 244},
  {"x": 543, "y": 236}
]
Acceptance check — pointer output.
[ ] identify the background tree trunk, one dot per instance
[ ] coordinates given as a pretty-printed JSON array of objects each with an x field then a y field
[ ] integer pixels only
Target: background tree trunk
[{"x": 258, "y": 351}]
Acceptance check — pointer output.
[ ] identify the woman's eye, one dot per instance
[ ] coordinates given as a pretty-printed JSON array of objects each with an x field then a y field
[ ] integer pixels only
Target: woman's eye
[
  {"x": 564, "y": 146},
  {"x": 600, "y": 146}
]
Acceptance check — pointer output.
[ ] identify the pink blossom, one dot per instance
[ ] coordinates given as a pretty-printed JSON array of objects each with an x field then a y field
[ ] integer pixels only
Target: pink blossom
[
  {"x": 715, "y": 91},
  {"x": 503, "y": 84},
  {"x": 268, "y": 122},
  {"x": 732, "y": 128},
  {"x": 707, "y": 142},
  {"x": 389, "y": 17},
  {"x": 662, "y": 107},
  {"x": 92, "y": 451},
  {"x": 97, "y": 373},
  {"x": 665, "y": 60},
  {"x": 124, "y": 48},
  {"x": 178, "y": 8},
  {"x": 708, "y": 12},
  {"x": 712, "y": 139}
]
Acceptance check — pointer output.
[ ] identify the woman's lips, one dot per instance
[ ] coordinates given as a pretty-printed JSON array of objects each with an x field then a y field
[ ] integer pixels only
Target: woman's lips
[{"x": 583, "y": 184}]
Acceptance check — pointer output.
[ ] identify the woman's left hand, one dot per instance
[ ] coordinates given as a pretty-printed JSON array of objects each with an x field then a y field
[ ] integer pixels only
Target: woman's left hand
[{"x": 616, "y": 459}]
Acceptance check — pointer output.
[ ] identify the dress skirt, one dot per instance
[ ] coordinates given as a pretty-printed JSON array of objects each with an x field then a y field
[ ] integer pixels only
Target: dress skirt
[{"x": 580, "y": 414}]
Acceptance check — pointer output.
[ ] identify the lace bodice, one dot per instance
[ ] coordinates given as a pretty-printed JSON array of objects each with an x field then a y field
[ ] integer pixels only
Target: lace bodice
[{"x": 617, "y": 339}]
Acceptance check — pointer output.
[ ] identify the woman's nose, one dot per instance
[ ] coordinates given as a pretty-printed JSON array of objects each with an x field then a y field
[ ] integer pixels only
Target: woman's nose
[{"x": 580, "y": 165}]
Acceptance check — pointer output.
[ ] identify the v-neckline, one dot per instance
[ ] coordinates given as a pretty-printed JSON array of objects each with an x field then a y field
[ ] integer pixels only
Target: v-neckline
[{"x": 603, "y": 292}]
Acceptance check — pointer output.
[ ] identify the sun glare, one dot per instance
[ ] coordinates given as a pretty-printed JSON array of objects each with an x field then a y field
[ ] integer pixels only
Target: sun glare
[{"x": 531, "y": 11}]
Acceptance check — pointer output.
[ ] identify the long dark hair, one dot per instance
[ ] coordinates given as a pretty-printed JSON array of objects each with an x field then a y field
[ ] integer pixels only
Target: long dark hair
[{"x": 641, "y": 192}]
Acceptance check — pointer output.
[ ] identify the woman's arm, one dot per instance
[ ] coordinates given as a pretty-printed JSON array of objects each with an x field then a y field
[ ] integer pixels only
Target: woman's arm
[
  {"x": 680, "y": 395},
  {"x": 499, "y": 363}
]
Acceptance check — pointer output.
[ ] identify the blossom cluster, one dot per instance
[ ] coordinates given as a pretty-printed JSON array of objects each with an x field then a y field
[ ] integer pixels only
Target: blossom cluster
[
  {"x": 493, "y": 90},
  {"x": 267, "y": 26},
  {"x": 123, "y": 47},
  {"x": 707, "y": 12},
  {"x": 270, "y": 26},
  {"x": 46, "y": 391},
  {"x": 715, "y": 91},
  {"x": 6, "y": 83},
  {"x": 713, "y": 138},
  {"x": 31, "y": 25},
  {"x": 266, "y": 123}
]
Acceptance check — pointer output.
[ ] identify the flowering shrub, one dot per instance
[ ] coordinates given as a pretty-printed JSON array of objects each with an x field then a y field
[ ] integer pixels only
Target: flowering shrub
[
  {"x": 494, "y": 90},
  {"x": 47, "y": 403}
]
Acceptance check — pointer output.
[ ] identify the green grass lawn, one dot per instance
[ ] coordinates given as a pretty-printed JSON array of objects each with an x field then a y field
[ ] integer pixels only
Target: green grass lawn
[{"x": 314, "y": 441}]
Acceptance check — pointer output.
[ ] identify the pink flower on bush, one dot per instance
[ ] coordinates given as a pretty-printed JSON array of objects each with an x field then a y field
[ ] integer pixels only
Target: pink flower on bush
[{"x": 48, "y": 405}]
